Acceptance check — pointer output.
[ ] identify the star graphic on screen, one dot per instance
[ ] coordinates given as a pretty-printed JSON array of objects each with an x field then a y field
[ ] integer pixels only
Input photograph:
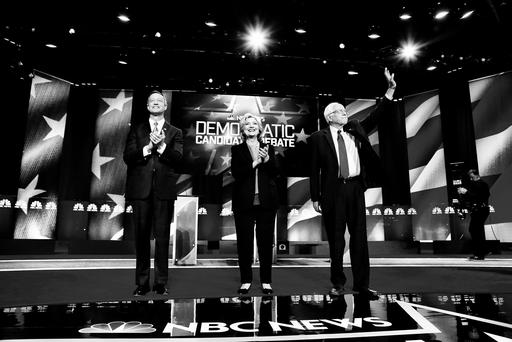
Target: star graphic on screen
[
  {"x": 191, "y": 131},
  {"x": 226, "y": 159},
  {"x": 97, "y": 161},
  {"x": 303, "y": 108},
  {"x": 116, "y": 103},
  {"x": 282, "y": 119},
  {"x": 302, "y": 136},
  {"x": 30, "y": 191},
  {"x": 35, "y": 81},
  {"x": 120, "y": 201},
  {"x": 57, "y": 127},
  {"x": 280, "y": 150}
]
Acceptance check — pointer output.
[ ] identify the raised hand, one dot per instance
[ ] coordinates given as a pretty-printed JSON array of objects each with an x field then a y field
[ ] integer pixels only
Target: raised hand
[{"x": 390, "y": 77}]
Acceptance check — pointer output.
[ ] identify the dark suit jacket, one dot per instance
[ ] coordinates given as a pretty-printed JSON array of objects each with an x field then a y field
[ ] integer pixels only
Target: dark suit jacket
[
  {"x": 245, "y": 175},
  {"x": 140, "y": 169},
  {"x": 324, "y": 162}
]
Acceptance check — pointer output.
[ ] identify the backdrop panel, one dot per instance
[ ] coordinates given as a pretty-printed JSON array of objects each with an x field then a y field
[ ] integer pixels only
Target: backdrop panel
[
  {"x": 492, "y": 118},
  {"x": 46, "y": 122},
  {"x": 426, "y": 166}
]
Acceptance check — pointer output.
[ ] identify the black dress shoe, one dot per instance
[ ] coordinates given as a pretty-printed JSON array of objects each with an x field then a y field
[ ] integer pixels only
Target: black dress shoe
[
  {"x": 336, "y": 291},
  {"x": 140, "y": 291},
  {"x": 243, "y": 290},
  {"x": 369, "y": 294},
  {"x": 267, "y": 289},
  {"x": 160, "y": 289}
]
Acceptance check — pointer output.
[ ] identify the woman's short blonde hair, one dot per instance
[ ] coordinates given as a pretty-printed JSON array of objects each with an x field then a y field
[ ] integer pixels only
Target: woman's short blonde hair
[{"x": 243, "y": 123}]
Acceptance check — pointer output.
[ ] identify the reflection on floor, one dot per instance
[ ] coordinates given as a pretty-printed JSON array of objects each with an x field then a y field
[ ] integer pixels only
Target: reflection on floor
[{"x": 394, "y": 317}]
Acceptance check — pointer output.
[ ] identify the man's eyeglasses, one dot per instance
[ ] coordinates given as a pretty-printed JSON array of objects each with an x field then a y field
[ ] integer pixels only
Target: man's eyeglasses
[{"x": 339, "y": 111}]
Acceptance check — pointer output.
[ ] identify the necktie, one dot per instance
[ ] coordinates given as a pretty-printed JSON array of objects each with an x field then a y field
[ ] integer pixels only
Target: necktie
[
  {"x": 155, "y": 127},
  {"x": 342, "y": 153}
]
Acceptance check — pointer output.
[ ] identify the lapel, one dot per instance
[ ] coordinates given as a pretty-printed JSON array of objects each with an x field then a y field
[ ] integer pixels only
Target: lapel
[
  {"x": 245, "y": 151},
  {"x": 166, "y": 128},
  {"x": 328, "y": 136}
]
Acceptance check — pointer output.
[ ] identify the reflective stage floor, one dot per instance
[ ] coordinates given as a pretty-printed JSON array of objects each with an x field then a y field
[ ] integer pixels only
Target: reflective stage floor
[{"x": 393, "y": 317}]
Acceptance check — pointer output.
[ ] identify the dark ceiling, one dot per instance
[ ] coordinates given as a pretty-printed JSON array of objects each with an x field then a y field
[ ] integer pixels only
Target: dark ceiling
[{"x": 189, "y": 53}]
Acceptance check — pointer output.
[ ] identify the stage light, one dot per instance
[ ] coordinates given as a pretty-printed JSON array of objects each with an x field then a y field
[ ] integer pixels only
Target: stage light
[
  {"x": 300, "y": 30},
  {"x": 467, "y": 13},
  {"x": 123, "y": 17},
  {"x": 72, "y": 31},
  {"x": 409, "y": 51},
  {"x": 153, "y": 52},
  {"x": 341, "y": 46},
  {"x": 324, "y": 61},
  {"x": 158, "y": 35},
  {"x": 373, "y": 32},
  {"x": 431, "y": 67},
  {"x": 210, "y": 80},
  {"x": 405, "y": 16},
  {"x": 353, "y": 72},
  {"x": 210, "y": 23},
  {"x": 441, "y": 13},
  {"x": 257, "y": 38},
  {"x": 51, "y": 46},
  {"x": 122, "y": 61}
]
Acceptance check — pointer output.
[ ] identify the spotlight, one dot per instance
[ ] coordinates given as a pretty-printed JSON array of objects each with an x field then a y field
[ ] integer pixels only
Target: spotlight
[
  {"x": 257, "y": 38},
  {"x": 431, "y": 67},
  {"x": 52, "y": 46},
  {"x": 210, "y": 21},
  {"x": 373, "y": 32},
  {"x": 353, "y": 72},
  {"x": 405, "y": 14},
  {"x": 300, "y": 30},
  {"x": 122, "y": 61},
  {"x": 342, "y": 46},
  {"x": 72, "y": 31},
  {"x": 467, "y": 14},
  {"x": 324, "y": 61},
  {"x": 158, "y": 35},
  {"x": 123, "y": 17},
  {"x": 210, "y": 80},
  {"x": 409, "y": 51},
  {"x": 441, "y": 11},
  {"x": 153, "y": 52}
]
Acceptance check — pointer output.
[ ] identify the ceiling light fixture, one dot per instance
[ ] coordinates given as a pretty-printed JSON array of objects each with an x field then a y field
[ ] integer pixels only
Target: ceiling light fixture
[
  {"x": 123, "y": 17},
  {"x": 257, "y": 38}
]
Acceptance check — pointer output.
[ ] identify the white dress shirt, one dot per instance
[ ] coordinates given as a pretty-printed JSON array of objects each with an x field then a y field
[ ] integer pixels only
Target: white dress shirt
[
  {"x": 159, "y": 124},
  {"x": 354, "y": 168}
]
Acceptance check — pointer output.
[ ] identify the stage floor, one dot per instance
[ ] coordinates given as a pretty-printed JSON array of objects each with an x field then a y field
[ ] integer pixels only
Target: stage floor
[{"x": 393, "y": 317}]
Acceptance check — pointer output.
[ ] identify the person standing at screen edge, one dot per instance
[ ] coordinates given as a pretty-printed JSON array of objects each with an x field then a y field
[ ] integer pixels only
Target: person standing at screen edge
[
  {"x": 153, "y": 150},
  {"x": 343, "y": 164},
  {"x": 254, "y": 201},
  {"x": 476, "y": 196}
]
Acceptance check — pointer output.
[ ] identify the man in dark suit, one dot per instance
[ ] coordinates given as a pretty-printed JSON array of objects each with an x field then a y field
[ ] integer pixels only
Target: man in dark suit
[
  {"x": 476, "y": 197},
  {"x": 153, "y": 150},
  {"x": 343, "y": 166}
]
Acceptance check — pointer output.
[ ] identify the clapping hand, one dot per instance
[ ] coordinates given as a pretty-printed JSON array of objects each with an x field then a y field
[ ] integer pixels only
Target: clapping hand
[
  {"x": 390, "y": 77},
  {"x": 156, "y": 138},
  {"x": 263, "y": 153}
]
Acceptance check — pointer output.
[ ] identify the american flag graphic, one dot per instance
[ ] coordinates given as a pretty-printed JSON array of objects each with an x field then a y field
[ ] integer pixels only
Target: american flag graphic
[
  {"x": 427, "y": 173},
  {"x": 38, "y": 186},
  {"x": 108, "y": 170},
  {"x": 492, "y": 118}
]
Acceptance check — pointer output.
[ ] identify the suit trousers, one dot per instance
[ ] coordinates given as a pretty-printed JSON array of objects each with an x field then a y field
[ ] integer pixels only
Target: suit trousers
[
  {"x": 348, "y": 210},
  {"x": 153, "y": 218},
  {"x": 477, "y": 231},
  {"x": 244, "y": 223}
]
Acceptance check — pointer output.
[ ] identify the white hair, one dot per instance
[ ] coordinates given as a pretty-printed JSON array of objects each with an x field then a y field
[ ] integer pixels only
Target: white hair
[
  {"x": 243, "y": 122},
  {"x": 331, "y": 108}
]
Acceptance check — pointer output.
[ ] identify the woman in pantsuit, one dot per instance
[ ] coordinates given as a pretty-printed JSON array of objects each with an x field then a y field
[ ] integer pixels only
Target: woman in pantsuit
[{"x": 254, "y": 201}]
